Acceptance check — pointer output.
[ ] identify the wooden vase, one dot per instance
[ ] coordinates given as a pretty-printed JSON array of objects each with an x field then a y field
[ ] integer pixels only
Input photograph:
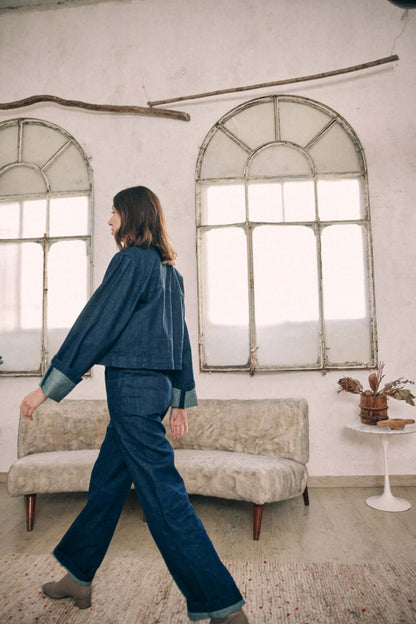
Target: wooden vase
[{"x": 373, "y": 409}]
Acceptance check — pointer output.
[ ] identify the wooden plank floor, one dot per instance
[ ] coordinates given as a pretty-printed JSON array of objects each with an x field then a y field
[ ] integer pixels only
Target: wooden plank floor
[{"x": 337, "y": 526}]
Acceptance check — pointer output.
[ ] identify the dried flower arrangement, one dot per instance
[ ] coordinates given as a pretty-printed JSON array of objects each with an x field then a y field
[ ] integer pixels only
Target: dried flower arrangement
[{"x": 395, "y": 389}]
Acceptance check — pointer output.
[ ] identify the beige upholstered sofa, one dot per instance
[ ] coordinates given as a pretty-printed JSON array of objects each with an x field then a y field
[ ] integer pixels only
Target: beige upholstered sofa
[{"x": 253, "y": 450}]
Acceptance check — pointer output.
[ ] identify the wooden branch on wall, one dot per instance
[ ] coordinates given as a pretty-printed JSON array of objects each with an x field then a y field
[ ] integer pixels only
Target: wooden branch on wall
[
  {"x": 335, "y": 72},
  {"x": 106, "y": 108}
]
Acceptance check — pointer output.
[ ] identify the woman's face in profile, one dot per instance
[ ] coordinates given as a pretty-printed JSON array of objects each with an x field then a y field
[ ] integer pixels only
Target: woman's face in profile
[{"x": 115, "y": 221}]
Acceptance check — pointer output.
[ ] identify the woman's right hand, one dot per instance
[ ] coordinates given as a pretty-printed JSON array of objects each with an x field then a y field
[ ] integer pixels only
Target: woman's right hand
[{"x": 178, "y": 422}]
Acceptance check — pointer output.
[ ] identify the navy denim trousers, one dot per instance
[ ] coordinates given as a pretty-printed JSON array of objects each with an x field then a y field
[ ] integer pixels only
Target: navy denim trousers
[{"x": 136, "y": 450}]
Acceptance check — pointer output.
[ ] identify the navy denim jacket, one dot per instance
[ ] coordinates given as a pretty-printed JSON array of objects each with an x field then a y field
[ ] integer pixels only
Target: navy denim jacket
[{"x": 135, "y": 319}]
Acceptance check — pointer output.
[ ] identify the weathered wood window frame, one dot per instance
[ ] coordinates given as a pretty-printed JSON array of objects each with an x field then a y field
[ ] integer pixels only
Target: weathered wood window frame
[
  {"x": 284, "y": 140},
  {"x": 47, "y": 220}
]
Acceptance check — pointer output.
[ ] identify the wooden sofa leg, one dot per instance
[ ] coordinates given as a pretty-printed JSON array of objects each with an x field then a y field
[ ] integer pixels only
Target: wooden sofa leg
[
  {"x": 257, "y": 516},
  {"x": 306, "y": 496},
  {"x": 30, "y": 500}
]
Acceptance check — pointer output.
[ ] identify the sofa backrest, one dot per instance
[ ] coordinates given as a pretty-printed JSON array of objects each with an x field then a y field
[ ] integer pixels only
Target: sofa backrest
[
  {"x": 67, "y": 426},
  {"x": 277, "y": 427}
]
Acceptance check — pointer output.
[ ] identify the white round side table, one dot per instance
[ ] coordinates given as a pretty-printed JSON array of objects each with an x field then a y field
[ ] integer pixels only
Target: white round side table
[{"x": 386, "y": 501}]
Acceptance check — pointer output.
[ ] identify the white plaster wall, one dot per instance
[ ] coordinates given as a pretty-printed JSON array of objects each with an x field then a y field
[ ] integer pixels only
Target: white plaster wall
[{"x": 132, "y": 51}]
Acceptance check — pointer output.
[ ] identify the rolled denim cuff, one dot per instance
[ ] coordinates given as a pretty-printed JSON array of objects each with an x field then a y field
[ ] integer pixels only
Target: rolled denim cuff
[
  {"x": 183, "y": 398},
  {"x": 221, "y": 613},
  {"x": 56, "y": 385},
  {"x": 76, "y": 579}
]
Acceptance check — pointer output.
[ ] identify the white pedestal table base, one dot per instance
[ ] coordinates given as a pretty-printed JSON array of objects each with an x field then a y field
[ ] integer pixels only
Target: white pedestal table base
[{"x": 387, "y": 502}]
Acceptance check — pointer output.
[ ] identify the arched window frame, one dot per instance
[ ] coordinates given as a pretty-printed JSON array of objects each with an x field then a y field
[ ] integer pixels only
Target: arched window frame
[
  {"x": 224, "y": 127},
  {"x": 61, "y": 172}
]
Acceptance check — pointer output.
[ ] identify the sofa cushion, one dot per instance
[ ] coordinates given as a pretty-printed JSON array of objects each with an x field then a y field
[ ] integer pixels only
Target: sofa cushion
[
  {"x": 55, "y": 471},
  {"x": 240, "y": 476}
]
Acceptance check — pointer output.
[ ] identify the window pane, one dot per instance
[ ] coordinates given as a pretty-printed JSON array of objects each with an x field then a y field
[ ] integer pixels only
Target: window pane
[
  {"x": 278, "y": 159},
  {"x": 348, "y": 341},
  {"x": 344, "y": 273},
  {"x": 68, "y": 216},
  {"x": 68, "y": 172},
  {"x": 226, "y": 276},
  {"x": 222, "y": 203},
  {"x": 223, "y": 158},
  {"x": 67, "y": 288},
  {"x": 21, "y": 269},
  {"x": 265, "y": 201},
  {"x": 299, "y": 200},
  {"x": 34, "y": 218},
  {"x": 335, "y": 152},
  {"x": 225, "y": 296},
  {"x": 346, "y": 313},
  {"x": 21, "y": 180},
  {"x": 339, "y": 199},
  {"x": 286, "y": 295},
  {"x": 254, "y": 125},
  {"x": 23, "y": 219},
  {"x": 285, "y": 274},
  {"x": 8, "y": 144},
  {"x": 40, "y": 143},
  {"x": 300, "y": 123},
  {"x": 31, "y": 282},
  {"x": 67, "y": 282},
  {"x": 21, "y": 279}
]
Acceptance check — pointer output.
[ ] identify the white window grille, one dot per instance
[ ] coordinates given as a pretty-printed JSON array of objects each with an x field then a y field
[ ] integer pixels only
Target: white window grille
[
  {"x": 45, "y": 241},
  {"x": 284, "y": 241}
]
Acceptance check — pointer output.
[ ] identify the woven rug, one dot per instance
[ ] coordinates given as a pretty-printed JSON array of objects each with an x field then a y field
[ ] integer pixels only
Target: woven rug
[{"x": 131, "y": 591}]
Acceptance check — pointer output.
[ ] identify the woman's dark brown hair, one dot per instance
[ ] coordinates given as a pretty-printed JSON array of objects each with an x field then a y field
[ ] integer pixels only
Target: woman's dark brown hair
[{"x": 142, "y": 222}]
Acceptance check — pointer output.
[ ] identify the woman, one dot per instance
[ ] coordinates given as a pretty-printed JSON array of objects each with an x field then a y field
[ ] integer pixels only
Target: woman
[{"x": 134, "y": 325}]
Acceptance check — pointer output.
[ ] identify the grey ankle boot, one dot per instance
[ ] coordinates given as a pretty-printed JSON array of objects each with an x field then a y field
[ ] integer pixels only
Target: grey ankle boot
[
  {"x": 68, "y": 588},
  {"x": 238, "y": 617}
]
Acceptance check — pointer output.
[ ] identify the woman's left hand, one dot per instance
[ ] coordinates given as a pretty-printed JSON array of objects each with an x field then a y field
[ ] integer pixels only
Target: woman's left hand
[
  {"x": 178, "y": 422},
  {"x": 31, "y": 402}
]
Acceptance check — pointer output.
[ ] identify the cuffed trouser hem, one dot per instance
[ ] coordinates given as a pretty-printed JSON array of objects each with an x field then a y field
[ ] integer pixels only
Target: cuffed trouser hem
[
  {"x": 77, "y": 580},
  {"x": 221, "y": 613}
]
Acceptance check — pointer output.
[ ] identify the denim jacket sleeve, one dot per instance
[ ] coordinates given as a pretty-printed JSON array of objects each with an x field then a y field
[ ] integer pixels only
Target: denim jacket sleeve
[{"x": 184, "y": 394}]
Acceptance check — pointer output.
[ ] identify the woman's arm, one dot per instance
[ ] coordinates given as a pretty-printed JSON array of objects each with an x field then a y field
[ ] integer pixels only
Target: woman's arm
[{"x": 97, "y": 328}]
